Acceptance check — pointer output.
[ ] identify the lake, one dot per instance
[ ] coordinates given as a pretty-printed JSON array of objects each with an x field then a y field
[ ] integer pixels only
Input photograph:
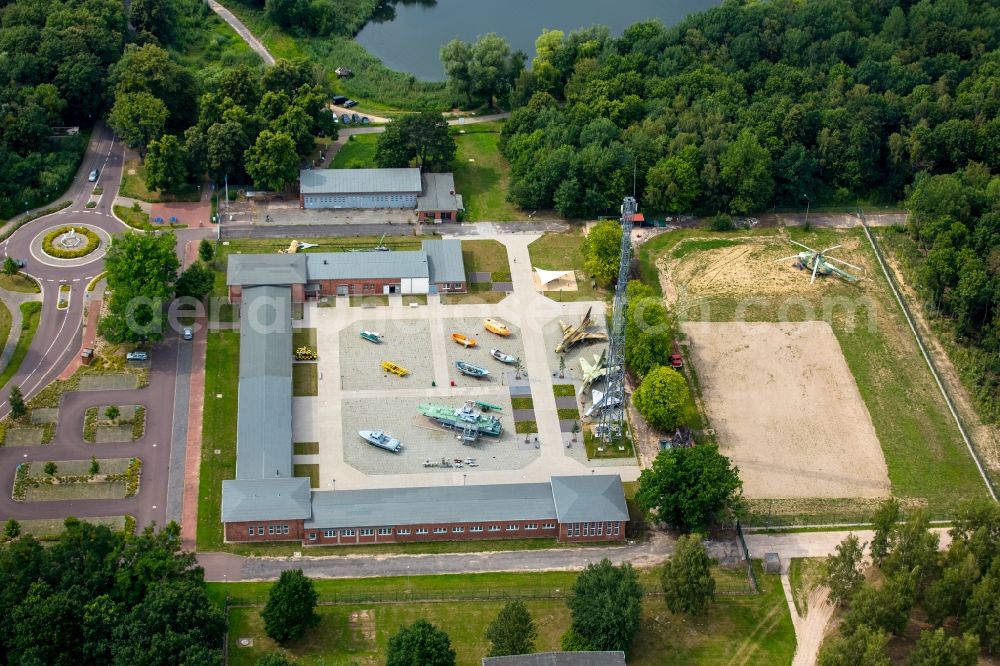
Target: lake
[{"x": 410, "y": 42}]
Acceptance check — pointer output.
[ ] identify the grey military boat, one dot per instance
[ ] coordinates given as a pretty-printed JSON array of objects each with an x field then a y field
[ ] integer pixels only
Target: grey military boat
[{"x": 381, "y": 440}]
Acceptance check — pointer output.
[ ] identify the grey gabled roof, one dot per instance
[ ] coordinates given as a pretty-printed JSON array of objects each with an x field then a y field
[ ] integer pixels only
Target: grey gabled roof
[
  {"x": 444, "y": 260},
  {"x": 258, "y": 269},
  {"x": 359, "y": 181},
  {"x": 447, "y": 504},
  {"x": 596, "y": 498},
  {"x": 559, "y": 659},
  {"x": 265, "y": 499},
  {"x": 365, "y": 265},
  {"x": 439, "y": 192},
  {"x": 264, "y": 403}
]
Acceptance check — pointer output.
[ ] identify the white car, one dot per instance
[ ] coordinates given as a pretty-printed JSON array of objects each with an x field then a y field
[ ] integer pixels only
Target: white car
[
  {"x": 93, "y": 176},
  {"x": 188, "y": 333}
]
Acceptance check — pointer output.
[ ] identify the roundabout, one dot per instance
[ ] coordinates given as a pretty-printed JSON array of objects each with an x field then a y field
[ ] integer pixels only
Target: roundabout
[{"x": 68, "y": 245}]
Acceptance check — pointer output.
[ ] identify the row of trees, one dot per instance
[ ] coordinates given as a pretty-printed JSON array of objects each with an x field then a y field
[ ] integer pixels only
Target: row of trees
[
  {"x": 244, "y": 124},
  {"x": 958, "y": 589},
  {"x": 482, "y": 72},
  {"x": 100, "y": 597},
  {"x": 419, "y": 139},
  {"x": 329, "y": 17},
  {"x": 753, "y": 104}
]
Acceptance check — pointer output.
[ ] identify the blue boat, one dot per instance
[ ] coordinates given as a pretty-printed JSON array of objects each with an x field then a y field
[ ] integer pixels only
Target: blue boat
[{"x": 471, "y": 370}]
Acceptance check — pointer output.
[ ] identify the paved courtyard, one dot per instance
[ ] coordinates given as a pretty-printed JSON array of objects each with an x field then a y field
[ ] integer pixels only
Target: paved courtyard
[{"x": 355, "y": 394}]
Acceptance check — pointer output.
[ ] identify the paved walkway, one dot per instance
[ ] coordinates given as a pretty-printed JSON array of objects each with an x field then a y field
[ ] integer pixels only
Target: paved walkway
[
  {"x": 89, "y": 335},
  {"x": 13, "y": 301},
  {"x": 242, "y": 31}
]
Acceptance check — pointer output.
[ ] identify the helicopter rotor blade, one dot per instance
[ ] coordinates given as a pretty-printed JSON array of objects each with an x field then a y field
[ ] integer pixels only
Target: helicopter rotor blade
[
  {"x": 828, "y": 249},
  {"x": 816, "y": 261},
  {"x": 841, "y": 261},
  {"x": 794, "y": 256},
  {"x": 801, "y": 245}
]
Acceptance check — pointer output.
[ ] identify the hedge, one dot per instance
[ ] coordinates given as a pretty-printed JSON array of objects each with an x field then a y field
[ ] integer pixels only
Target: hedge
[{"x": 92, "y": 242}]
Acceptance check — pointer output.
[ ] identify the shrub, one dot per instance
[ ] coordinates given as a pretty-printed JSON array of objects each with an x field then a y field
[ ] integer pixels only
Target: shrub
[{"x": 60, "y": 253}]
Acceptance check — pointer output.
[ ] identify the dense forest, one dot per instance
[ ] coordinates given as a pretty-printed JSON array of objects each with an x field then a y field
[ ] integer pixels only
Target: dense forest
[
  {"x": 331, "y": 17},
  {"x": 100, "y": 597}
]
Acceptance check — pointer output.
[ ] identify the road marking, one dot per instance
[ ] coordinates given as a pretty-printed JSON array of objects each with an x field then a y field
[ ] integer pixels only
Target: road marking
[
  {"x": 76, "y": 279},
  {"x": 28, "y": 376}
]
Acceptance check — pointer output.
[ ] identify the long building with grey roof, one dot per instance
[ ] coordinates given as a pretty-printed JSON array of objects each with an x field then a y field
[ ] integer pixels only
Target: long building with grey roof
[
  {"x": 437, "y": 267},
  {"x": 266, "y": 502},
  {"x": 431, "y": 195}
]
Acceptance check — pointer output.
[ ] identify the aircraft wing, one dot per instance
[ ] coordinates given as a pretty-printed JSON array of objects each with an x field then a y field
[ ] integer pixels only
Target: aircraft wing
[
  {"x": 585, "y": 366},
  {"x": 592, "y": 336},
  {"x": 564, "y": 326}
]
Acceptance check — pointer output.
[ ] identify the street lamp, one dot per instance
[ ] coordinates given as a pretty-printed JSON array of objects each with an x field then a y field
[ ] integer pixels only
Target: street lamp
[{"x": 808, "y": 203}]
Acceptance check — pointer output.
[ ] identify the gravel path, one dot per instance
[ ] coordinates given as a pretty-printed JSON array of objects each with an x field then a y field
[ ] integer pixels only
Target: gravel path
[{"x": 243, "y": 31}]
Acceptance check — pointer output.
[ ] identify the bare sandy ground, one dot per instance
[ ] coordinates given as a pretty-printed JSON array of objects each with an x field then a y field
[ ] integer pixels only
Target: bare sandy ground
[{"x": 786, "y": 409}]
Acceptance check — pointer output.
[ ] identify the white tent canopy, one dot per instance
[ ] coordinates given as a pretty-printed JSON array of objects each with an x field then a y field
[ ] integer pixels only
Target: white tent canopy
[{"x": 547, "y": 277}]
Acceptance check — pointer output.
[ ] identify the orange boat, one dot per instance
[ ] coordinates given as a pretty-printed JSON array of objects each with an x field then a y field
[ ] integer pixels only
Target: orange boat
[
  {"x": 495, "y": 326},
  {"x": 463, "y": 340}
]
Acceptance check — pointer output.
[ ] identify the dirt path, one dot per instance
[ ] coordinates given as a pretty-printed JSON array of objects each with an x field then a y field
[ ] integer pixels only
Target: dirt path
[
  {"x": 810, "y": 630},
  {"x": 242, "y": 31}
]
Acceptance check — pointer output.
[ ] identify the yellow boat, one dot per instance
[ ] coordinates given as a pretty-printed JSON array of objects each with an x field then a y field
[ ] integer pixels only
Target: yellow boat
[
  {"x": 495, "y": 326},
  {"x": 389, "y": 366},
  {"x": 463, "y": 340}
]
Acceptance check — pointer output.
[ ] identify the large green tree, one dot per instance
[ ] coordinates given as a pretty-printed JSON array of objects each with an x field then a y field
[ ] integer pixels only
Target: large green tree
[
  {"x": 138, "y": 118},
  {"x": 271, "y": 162},
  {"x": 842, "y": 569},
  {"x": 141, "y": 271},
  {"x": 196, "y": 281},
  {"x": 746, "y": 171},
  {"x": 291, "y": 606},
  {"x": 649, "y": 330},
  {"x": 861, "y": 646},
  {"x": 606, "y": 604},
  {"x": 512, "y": 632},
  {"x": 422, "y": 139},
  {"x": 420, "y": 644},
  {"x": 602, "y": 251},
  {"x": 688, "y": 488},
  {"x": 688, "y": 585},
  {"x": 673, "y": 183},
  {"x": 662, "y": 398},
  {"x": 936, "y": 648},
  {"x": 166, "y": 164}
]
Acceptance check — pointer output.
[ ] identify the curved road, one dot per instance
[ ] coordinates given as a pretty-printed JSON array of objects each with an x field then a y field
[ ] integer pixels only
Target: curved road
[{"x": 57, "y": 342}]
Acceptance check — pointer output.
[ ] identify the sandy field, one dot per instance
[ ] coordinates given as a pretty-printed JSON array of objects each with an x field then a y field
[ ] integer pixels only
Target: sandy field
[{"x": 787, "y": 410}]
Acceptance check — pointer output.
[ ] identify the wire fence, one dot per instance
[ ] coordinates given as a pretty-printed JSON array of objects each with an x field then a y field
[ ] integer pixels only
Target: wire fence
[{"x": 751, "y": 576}]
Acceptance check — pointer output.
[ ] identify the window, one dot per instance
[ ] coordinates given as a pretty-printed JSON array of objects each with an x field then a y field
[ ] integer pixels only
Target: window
[
  {"x": 270, "y": 529},
  {"x": 421, "y": 530},
  {"x": 617, "y": 526},
  {"x": 367, "y": 531},
  {"x": 384, "y": 531},
  {"x": 346, "y": 532},
  {"x": 251, "y": 531},
  {"x": 402, "y": 532},
  {"x": 531, "y": 526},
  {"x": 549, "y": 526},
  {"x": 312, "y": 536},
  {"x": 458, "y": 530},
  {"x": 284, "y": 529},
  {"x": 586, "y": 529},
  {"x": 260, "y": 530},
  {"x": 440, "y": 530},
  {"x": 476, "y": 528},
  {"x": 494, "y": 528},
  {"x": 600, "y": 529},
  {"x": 512, "y": 527},
  {"x": 609, "y": 527},
  {"x": 327, "y": 534},
  {"x": 576, "y": 529}
]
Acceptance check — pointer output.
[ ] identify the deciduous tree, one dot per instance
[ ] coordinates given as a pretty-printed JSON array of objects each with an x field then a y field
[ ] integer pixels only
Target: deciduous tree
[
  {"x": 746, "y": 172},
  {"x": 688, "y": 585},
  {"x": 141, "y": 271},
  {"x": 16, "y": 402},
  {"x": 936, "y": 648},
  {"x": 842, "y": 570},
  {"x": 272, "y": 161},
  {"x": 421, "y": 138},
  {"x": 420, "y": 644},
  {"x": 196, "y": 281},
  {"x": 662, "y": 398},
  {"x": 512, "y": 632},
  {"x": 10, "y": 266},
  {"x": 166, "y": 164},
  {"x": 688, "y": 488},
  {"x": 602, "y": 251},
  {"x": 138, "y": 118},
  {"x": 672, "y": 184},
  {"x": 206, "y": 252},
  {"x": 884, "y": 522},
  {"x": 291, "y": 606},
  {"x": 606, "y": 605},
  {"x": 861, "y": 646}
]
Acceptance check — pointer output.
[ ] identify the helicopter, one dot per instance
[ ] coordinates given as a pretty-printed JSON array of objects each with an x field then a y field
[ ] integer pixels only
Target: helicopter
[{"x": 820, "y": 264}]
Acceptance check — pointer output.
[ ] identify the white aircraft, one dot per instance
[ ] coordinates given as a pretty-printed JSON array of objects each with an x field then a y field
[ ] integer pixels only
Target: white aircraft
[
  {"x": 593, "y": 372},
  {"x": 602, "y": 400}
]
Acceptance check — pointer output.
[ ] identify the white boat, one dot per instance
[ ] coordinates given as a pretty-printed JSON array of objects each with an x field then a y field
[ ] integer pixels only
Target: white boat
[
  {"x": 509, "y": 359},
  {"x": 381, "y": 440}
]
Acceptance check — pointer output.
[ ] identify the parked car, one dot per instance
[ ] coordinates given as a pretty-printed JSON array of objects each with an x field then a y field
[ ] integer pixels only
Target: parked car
[
  {"x": 137, "y": 356},
  {"x": 676, "y": 362},
  {"x": 19, "y": 263},
  {"x": 340, "y": 99},
  {"x": 346, "y": 119},
  {"x": 350, "y": 104},
  {"x": 365, "y": 120},
  {"x": 93, "y": 176},
  {"x": 355, "y": 118},
  {"x": 188, "y": 333}
]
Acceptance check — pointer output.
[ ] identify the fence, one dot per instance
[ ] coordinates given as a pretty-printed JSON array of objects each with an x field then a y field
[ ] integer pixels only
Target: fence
[
  {"x": 945, "y": 393},
  {"x": 751, "y": 576}
]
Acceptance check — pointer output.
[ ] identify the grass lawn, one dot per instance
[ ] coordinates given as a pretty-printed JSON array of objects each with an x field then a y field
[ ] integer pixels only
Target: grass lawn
[
  {"x": 30, "y": 314},
  {"x": 134, "y": 186},
  {"x": 49, "y": 529},
  {"x": 305, "y": 448},
  {"x": 358, "y": 152},
  {"x": 563, "y": 390},
  {"x": 804, "y": 574},
  {"x": 305, "y": 379},
  {"x": 473, "y": 297},
  {"x": 927, "y": 461},
  {"x": 525, "y": 427},
  {"x": 744, "y": 629},
  {"x": 310, "y": 470},
  {"x": 522, "y": 402},
  {"x": 482, "y": 175},
  {"x": 304, "y": 337},
  {"x": 46, "y": 492},
  {"x": 20, "y": 283},
  {"x": 560, "y": 252},
  {"x": 137, "y": 219},
  {"x": 371, "y": 300},
  {"x": 5, "y": 322},
  {"x": 486, "y": 256},
  {"x": 218, "y": 433}
]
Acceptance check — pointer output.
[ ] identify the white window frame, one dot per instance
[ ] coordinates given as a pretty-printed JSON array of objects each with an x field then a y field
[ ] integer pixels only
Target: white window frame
[
  {"x": 348, "y": 532},
  {"x": 367, "y": 531},
  {"x": 458, "y": 530},
  {"x": 384, "y": 531},
  {"x": 329, "y": 534},
  {"x": 403, "y": 531},
  {"x": 251, "y": 531},
  {"x": 494, "y": 528},
  {"x": 440, "y": 530},
  {"x": 312, "y": 536},
  {"x": 531, "y": 526},
  {"x": 422, "y": 530},
  {"x": 476, "y": 528},
  {"x": 513, "y": 527}
]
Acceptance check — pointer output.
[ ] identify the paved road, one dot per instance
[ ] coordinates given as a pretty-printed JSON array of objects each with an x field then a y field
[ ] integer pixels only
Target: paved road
[
  {"x": 242, "y": 31},
  {"x": 329, "y": 230}
]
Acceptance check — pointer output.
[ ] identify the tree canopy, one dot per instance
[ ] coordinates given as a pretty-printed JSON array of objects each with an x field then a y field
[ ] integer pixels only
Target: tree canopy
[
  {"x": 420, "y": 644},
  {"x": 688, "y": 585},
  {"x": 649, "y": 330},
  {"x": 602, "y": 250},
  {"x": 291, "y": 606},
  {"x": 481, "y": 72},
  {"x": 688, "y": 488},
  {"x": 141, "y": 271},
  {"x": 606, "y": 605},
  {"x": 662, "y": 398},
  {"x": 421, "y": 139},
  {"x": 512, "y": 632}
]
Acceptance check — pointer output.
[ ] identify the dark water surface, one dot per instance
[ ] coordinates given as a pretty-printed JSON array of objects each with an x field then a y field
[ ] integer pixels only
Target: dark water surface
[{"x": 410, "y": 42}]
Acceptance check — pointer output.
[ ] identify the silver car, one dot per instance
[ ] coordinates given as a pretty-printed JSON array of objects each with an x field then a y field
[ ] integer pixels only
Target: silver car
[{"x": 188, "y": 333}]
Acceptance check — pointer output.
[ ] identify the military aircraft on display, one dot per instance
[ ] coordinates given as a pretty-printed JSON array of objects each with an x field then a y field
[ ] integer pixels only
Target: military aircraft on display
[
  {"x": 591, "y": 373},
  {"x": 578, "y": 333},
  {"x": 820, "y": 264}
]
